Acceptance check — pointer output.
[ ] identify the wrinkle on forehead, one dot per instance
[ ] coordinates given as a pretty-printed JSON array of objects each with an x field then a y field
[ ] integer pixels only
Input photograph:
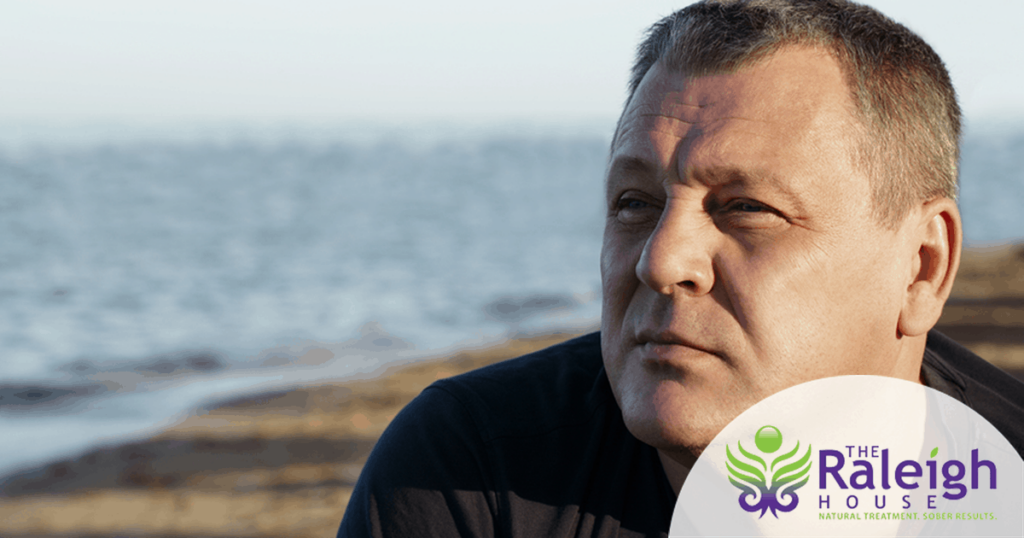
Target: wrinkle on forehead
[
  {"x": 666, "y": 124},
  {"x": 673, "y": 105},
  {"x": 680, "y": 101},
  {"x": 683, "y": 127},
  {"x": 672, "y": 112},
  {"x": 678, "y": 104},
  {"x": 675, "y": 111},
  {"x": 656, "y": 118}
]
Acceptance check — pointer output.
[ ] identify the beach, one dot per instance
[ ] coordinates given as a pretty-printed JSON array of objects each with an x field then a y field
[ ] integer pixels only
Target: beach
[{"x": 284, "y": 463}]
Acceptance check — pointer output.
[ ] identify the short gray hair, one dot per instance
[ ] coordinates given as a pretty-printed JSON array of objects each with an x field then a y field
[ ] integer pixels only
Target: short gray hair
[{"x": 901, "y": 90}]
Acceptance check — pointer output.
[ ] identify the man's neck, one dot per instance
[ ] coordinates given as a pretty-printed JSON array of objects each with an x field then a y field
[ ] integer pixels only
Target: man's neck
[{"x": 675, "y": 471}]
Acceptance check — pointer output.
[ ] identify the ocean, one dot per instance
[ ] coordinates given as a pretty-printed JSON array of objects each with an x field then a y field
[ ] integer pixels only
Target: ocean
[{"x": 147, "y": 272}]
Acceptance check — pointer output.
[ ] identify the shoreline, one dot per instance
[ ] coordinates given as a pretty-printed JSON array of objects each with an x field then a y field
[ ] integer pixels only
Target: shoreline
[
  {"x": 284, "y": 462},
  {"x": 278, "y": 463}
]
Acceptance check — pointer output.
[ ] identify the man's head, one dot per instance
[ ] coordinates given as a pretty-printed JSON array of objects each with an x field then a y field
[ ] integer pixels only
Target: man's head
[{"x": 745, "y": 250}]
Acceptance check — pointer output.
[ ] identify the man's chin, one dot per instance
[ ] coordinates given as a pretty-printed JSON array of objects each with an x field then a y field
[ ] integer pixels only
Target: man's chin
[
  {"x": 676, "y": 409},
  {"x": 679, "y": 437},
  {"x": 671, "y": 416}
]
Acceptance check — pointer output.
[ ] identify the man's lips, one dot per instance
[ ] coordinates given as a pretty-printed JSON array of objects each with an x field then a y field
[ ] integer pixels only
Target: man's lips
[{"x": 666, "y": 345}]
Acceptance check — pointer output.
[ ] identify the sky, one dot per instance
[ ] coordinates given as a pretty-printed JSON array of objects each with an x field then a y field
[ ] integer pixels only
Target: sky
[{"x": 325, "y": 61}]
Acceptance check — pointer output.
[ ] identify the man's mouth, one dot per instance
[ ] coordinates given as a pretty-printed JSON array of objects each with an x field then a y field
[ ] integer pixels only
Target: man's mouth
[{"x": 670, "y": 346}]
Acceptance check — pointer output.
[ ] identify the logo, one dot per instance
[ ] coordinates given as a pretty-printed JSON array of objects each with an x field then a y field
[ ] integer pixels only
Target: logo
[
  {"x": 766, "y": 486},
  {"x": 889, "y": 458}
]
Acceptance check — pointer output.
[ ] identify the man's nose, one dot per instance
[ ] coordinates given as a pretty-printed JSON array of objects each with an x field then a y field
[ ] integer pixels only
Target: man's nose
[{"x": 678, "y": 254}]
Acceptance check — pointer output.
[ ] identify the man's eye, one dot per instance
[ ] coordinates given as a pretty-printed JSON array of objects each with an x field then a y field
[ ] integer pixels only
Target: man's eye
[
  {"x": 749, "y": 214},
  {"x": 635, "y": 211},
  {"x": 747, "y": 207},
  {"x": 633, "y": 203}
]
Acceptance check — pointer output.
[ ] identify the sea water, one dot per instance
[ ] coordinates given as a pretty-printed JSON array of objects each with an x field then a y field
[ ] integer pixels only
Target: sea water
[{"x": 146, "y": 272}]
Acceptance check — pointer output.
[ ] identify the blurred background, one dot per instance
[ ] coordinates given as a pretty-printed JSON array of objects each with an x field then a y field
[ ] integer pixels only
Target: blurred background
[{"x": 204, "y": 198}]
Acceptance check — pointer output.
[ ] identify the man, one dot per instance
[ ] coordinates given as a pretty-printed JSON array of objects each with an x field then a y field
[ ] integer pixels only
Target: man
[{"x": 780, "y": 197}]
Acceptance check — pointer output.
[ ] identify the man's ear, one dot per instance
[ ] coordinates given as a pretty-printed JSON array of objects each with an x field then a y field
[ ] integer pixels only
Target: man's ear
[{"x": 938, "y": 233}]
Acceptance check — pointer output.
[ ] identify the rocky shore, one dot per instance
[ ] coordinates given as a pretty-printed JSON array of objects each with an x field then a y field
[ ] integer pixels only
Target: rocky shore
[{"x": 284, "y": 463}]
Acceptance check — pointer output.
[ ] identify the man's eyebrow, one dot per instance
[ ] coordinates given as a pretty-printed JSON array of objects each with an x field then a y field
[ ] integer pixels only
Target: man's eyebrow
[{"x": 722, "y": 176}]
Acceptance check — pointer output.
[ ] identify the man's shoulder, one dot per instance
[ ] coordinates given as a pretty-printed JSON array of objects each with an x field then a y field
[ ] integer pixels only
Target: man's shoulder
[
  {"x": 574, "y": 360},
  {"x": 986, "y": 389},
  {"x": 532, "y": 446},
  {"x": 558, "y": 386}
]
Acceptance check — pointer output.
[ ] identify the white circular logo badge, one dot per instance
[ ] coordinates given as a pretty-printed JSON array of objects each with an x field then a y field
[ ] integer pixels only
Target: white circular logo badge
[{"x": 855, "y": 456}]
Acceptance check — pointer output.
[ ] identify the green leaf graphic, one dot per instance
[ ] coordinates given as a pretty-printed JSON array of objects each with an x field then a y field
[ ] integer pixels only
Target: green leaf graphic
[
  {"x": 799, "y": 485},
  {"x": 755, "y": 476},
  {"x": 934, "y": 452},
  {"x": 790, "y": 476},
  {"x": 786, "y": 456},
  {"x": 783, "y": 476},
  {"x": 742, "y": 486},
  {"x": 751, "y": 456}
]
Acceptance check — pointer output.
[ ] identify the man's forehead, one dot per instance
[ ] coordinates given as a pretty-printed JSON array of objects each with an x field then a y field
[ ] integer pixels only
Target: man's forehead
[
  {"x": 773, "y": 90},
  {"x": 678, "y": 104},
  {"x": 671, "y": 115},
  {"x": 673, "y": 105},
  {"x": 674, "y": 116},
  {"x": 666, "y": 99}
]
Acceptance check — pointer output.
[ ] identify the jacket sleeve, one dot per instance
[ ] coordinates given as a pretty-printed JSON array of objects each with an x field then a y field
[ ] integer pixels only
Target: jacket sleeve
[{"x": 426, "y": 477}]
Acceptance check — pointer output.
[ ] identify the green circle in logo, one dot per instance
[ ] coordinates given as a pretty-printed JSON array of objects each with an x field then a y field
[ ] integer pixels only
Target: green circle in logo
[{"x": 768, "y": 439}]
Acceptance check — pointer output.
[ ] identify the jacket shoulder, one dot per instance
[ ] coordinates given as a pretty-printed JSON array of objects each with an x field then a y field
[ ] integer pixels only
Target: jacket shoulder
[
  {"x": 561, "y": 385},
  {"x": 991, "y": 392}
]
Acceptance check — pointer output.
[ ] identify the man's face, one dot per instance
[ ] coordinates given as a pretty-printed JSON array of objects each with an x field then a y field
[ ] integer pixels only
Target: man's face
[{"x": 740, "y": 255}]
